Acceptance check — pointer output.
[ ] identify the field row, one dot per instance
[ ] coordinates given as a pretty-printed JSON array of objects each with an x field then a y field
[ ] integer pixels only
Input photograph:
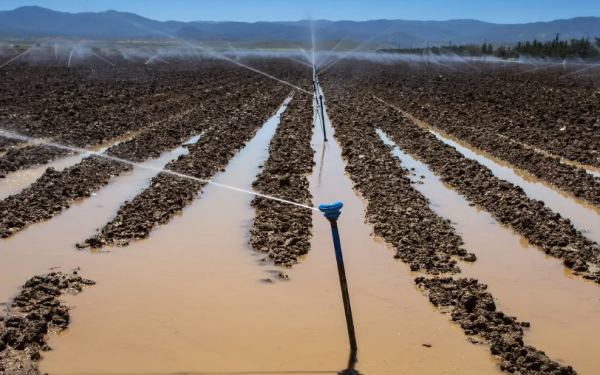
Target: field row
[{"x": 373, "y": 170}]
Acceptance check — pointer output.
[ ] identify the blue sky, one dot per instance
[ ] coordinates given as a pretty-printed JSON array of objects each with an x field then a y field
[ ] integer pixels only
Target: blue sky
[{"x": 500, "y": 11}]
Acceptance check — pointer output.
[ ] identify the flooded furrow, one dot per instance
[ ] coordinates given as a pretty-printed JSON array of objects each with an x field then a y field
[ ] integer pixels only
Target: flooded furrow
[
  {"x": 100, "y": 207},
  {"x": 563, "y": 321},
  {"x": 176, "y": 308},
  {"x": 168, "y": 194},
  {"x": 54, "y": 191},
  {"x": 374, "y": 172},
  {"x": 594, "y": 171},
  {"x": 392, "y": 320},
  {"x": 584, "y": 215},
  {"x": 282, "y": 231},
  {"x": 507, "y": 202}
]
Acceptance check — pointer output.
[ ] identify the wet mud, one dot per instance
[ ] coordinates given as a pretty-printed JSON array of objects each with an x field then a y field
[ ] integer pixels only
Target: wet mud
[
  {"x": 506, "y": 202},
  {"x": 475, "y": 131},
  {"x": 6, "y": 144},
  {"x": 21, "y": 158},
  {"x": 474, "y": 310},
  {"x": 371, "y": 164},
  {"x": 33, "y": 314},
  {"x": 167, "y": 194},
  {"x": 282, "y": 231},
  {"x": 83, "y": 111},
  {"x": 397, "y": 211},
  {"x": 55, "y": 191}
]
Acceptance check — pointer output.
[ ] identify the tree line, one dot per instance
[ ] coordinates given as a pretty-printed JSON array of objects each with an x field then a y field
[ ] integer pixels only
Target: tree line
[{"x": 583, "y": 48}]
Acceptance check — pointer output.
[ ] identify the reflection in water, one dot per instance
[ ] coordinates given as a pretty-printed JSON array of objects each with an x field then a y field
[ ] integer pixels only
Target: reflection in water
[{"x": 563, "y": 312}]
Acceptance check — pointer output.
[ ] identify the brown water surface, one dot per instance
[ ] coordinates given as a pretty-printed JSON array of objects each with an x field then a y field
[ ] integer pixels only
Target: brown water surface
[
  {"x": 563, "y": 311},
  {"x": 191, "y": 298}
]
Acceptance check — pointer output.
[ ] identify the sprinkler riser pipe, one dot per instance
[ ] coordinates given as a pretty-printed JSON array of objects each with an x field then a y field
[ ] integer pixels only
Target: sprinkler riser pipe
[
  {"x": 323, "y": 118},
  {"x": 332, "y": 212},
  {"x": 343, "y": 283}
]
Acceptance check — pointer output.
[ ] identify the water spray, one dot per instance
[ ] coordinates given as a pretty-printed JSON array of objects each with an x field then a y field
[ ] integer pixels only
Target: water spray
[
  {"x": 263, "y": 73},
  {"x": 332, "y": 212},
  {"x": 356, "y": 48},
  {"x": 581, "y": 70},
  {"x": 102, "y": 58},
  {"x": 11, "y": 135},
  {"x": 322, "y": 62},
  {"x": 13, "y": 59},
  {"x": 70, "y": 57}
]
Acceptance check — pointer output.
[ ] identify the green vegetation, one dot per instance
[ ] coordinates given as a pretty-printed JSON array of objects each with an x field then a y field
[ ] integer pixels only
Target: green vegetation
[{"x": 556, "y": 48}]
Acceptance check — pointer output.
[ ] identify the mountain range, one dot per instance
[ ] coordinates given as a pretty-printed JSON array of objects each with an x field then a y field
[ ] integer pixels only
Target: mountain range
[{"x": 38, "y": 22}]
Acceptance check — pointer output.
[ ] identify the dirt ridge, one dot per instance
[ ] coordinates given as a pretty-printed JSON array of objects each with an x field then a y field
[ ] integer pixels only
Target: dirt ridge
[
  {"x": 281, "y": 230},
  {"x": 34, "y": 313},
  {"x": 55, "y": 191},
  {"x": 506, "y": 202},
  {"x": 168, "y": 194},
  {"x": 380, "y": 178}
]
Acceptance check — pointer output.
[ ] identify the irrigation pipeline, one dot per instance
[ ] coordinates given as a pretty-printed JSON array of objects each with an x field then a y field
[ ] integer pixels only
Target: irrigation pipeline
[{"x": 11, "y": 135}]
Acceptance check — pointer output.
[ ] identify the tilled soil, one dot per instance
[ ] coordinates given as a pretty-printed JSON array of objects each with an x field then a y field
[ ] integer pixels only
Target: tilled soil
[
  {"x": 78, "y": 109},
  {"x": 28, "y": 156},
  {"x": 379, "y": 177},
  {"x": 7, "y": 143},
  {"x": 506, "y": 202},
  {"x": 55, "y": 191},
  {"x": 168, "y": 194},
  {"x": 475, "y": 129},
  {"x": 81, "y": 111},
  {"x": 474, "y": 309},
  {"x": 281, "y": 230},
  {"x": 557, "y": 115},
  {"x": 397, "y": 211},
  {"x": 36, "y": 312}
]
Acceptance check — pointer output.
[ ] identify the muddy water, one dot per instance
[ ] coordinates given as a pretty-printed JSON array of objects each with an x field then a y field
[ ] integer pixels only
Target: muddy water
[
  {"x": 192, "y": 299},
  {"x": 563, "y": 311},
  {"x": 392, "y": 319},
  {"x": 40, "y": 242},
  {"x": 15, "y": 182},
  {"x": 583, "y": 215}
]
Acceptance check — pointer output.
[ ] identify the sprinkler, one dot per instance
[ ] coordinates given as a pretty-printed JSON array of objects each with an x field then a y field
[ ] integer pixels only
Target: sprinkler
[
  {"x": 319, "y": 99},
  {"x": 332, "y": 212}
]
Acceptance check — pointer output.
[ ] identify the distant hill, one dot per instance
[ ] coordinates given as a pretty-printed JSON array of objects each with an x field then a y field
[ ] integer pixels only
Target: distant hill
[{"x": 33, "y": 21}]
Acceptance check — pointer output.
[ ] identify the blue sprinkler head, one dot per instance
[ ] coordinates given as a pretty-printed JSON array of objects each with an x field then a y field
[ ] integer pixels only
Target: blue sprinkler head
[{"x": 332, "y": 210}]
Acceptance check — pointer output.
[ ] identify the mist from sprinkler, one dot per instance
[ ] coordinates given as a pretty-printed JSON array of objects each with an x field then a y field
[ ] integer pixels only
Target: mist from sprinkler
[
  {"x": 581, "y": 70},
  {"x": 356, "y": 48},
  {"x": 333, "y": 49}
]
